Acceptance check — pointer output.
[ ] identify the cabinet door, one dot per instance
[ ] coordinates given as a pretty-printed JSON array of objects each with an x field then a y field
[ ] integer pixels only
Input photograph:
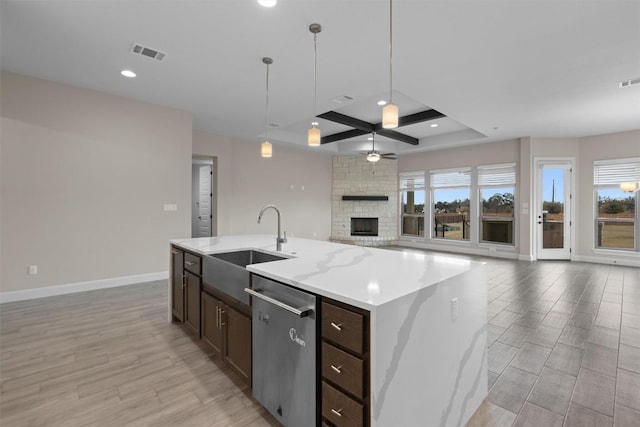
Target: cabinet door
[
  {"x": 237, "y": 349},
  {"x": 177, "y": 285},
  {"x": 212, "y": 321},
  {"x": 192, "y": 311}
]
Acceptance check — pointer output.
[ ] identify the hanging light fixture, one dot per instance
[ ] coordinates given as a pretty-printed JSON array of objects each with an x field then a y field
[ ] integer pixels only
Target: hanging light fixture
[
  {"x": 390, "y": 111},
  {"x": 267, "y": 3},
  {"x": 630, "y": 187},
  {"x": 266, "y": 148},
  {"x": 313, "y": 138}
]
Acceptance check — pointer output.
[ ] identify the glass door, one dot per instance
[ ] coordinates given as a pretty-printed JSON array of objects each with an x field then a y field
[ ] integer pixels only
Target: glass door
[{"x": 553, "y": 210}]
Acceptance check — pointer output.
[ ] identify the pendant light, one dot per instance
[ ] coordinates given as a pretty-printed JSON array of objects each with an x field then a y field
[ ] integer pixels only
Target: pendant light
[
  {"x": 313, "y": 138},
  {"x": 390, "y": 111},
  {"x": 266, "y": 148}
]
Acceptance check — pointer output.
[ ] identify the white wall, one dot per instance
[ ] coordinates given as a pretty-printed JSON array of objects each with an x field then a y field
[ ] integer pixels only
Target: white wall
[
  {"x": 84, "y": 177},
  {"x": 296, "y": 180}
]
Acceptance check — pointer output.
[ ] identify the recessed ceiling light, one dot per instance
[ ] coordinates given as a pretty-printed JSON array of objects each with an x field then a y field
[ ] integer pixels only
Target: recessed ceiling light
[
  {"x": 267, "y": 3},
  {"x": 370, "y": 138},
  {"x": 128, "y": 73},
  {"x": 382, "y": 102},
  {"x": 434, "y": 125}
]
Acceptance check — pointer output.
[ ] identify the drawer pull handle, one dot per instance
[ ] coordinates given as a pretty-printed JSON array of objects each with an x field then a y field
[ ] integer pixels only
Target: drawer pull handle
[
  {"x": 173, "y": 251},
  {"x": 338, "y": 369},
  {"x": 337, "y": 326},
  {"x": 190, "y": 263},
  {"x": 338, "y": 412}
]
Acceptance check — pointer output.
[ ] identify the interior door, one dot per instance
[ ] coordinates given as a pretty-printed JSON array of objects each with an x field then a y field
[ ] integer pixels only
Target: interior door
[
  {"x": 553, "y": 208},
  {"x": 204, "y": 200},
  {"x": 201, "y": 196}
]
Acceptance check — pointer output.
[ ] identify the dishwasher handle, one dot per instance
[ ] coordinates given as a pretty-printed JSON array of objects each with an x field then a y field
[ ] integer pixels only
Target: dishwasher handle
[{"x": 300, "y": 312}]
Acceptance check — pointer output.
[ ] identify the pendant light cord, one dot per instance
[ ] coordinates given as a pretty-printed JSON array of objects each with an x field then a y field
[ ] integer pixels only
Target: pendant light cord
[
  {"x": 391, "y": 51},
  {"x": 266, "y": 109},
  {"x": 315, "y": 76}
]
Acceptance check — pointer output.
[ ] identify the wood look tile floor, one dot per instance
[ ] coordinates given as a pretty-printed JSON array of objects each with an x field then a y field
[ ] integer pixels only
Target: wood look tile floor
[
  {"x": 109, "y": 358},
  {"x": 563, "y": 345}
]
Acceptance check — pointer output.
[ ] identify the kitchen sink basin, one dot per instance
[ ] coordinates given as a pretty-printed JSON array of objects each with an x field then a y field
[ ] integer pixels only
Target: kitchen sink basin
[
  {"x": 226, "y": 271},
  {"x": 244, "y": 258}
]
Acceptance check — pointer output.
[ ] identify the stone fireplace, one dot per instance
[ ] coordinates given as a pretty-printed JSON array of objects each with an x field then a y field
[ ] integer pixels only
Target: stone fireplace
[{"x": 364, "y": 201}]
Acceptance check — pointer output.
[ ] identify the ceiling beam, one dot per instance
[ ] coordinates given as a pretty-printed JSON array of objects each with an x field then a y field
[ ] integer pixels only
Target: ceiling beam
[
  {"x": 347, "y": 120},
  {"x": 361, "y": 127},
  {"x": 342, "y": 135},
  {"x": 398, "y": 136},
  {"x": 422, "y": 116}
]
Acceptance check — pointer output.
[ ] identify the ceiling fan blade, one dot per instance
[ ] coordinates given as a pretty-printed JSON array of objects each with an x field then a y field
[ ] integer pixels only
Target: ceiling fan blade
[{"x": 388, "y": 154}]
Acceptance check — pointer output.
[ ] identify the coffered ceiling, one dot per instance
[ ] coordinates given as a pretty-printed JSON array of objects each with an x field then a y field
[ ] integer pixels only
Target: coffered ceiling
[{"x": 497, "y": 69}]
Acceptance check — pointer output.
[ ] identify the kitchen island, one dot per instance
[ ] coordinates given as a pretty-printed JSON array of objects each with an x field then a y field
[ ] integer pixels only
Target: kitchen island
[{"x": 425, "y": 315}]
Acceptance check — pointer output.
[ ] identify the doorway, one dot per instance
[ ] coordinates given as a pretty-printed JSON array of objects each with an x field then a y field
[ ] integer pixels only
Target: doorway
[
  {"x": 554, "y": 200},
  {"x": 202, "y": 197}
]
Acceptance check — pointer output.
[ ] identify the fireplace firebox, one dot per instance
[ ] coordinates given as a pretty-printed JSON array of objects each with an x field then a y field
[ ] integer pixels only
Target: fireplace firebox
[{"x": 364, "y": 226}]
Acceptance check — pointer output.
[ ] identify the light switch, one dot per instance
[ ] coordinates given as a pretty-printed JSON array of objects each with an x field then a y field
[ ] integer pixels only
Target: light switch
[{"x": 170, "y": 207}]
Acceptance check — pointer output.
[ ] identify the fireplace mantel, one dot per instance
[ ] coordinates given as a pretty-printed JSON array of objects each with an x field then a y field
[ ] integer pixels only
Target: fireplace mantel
[{"x": 366, "y": 198}]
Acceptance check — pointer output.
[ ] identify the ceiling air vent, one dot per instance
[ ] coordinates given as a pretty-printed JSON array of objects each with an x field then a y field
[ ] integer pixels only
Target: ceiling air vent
[
  {"x": 631, "y": 82},
  {"x": 147, "y": 51}
]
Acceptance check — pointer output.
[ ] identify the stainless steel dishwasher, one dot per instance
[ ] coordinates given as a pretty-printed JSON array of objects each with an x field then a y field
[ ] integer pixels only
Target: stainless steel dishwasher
[{"x": 284, "y": 351}]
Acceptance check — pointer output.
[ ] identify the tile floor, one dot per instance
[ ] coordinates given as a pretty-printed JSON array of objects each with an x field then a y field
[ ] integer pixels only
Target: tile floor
[{"x": 563, "y": 343}]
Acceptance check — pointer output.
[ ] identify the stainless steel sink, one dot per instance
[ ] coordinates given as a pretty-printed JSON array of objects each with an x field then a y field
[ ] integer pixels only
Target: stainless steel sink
[
  {"x": 244, "y": 258},
  {"x": 226, "y": 271}
]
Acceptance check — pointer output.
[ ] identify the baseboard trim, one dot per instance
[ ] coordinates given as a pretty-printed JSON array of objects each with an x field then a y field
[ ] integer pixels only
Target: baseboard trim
[
  {"x": 606, "y": 260},
  {"x": 71, "y": 288},
  {"x": 526, "y": 257},
  {"x": 460, "y": 249}
]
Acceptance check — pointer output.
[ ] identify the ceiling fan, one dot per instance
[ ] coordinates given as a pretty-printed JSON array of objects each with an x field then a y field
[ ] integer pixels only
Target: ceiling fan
[{"x": 373, "y": 156}]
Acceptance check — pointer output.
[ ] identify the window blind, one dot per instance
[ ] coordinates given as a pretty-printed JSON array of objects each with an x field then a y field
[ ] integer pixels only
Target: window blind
[
  {"x": 448, "y": 179},
  {"x": 411, "y": 180},
  {"x": 609, "y": 172},
  {"x": 502, "y": 175}
]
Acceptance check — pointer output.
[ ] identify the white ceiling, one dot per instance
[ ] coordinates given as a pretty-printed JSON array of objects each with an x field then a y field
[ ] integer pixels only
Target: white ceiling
[{"x": 498, "y": 69}]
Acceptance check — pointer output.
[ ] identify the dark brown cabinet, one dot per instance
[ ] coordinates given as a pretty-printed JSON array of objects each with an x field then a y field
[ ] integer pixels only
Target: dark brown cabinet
[
  {"x": 177, "y": 285},
  {"x": 212, "y": 312},
  {"x": 237, "y": 349},
  {"x": 345, "y": 365},
  {"x": 186, "y": 284},
  {"x": 226, "y": 326},
  {"x": 192, "y": 304}
]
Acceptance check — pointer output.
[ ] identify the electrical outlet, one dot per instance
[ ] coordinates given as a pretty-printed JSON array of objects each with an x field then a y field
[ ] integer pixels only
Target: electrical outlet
[
  {"x": 33, "y": 270},
  {"x": 170, "y": 207},
  {"x": 454, "y": 309}
]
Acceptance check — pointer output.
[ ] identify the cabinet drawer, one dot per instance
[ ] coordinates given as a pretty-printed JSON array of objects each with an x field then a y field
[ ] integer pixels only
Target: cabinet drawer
[
  {"x": 192, "y": 263},
  {"x": 343, "y": 369},
  {"x": 343, "y": 327},
  {"x": 340, "y": 409}
]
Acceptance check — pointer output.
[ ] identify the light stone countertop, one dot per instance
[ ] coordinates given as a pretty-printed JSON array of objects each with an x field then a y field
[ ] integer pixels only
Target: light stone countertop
[{"x": 365, "y": 277}]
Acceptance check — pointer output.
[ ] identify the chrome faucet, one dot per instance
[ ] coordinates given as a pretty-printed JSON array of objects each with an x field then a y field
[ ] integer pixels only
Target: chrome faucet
[{"x": 279, "y": 240}]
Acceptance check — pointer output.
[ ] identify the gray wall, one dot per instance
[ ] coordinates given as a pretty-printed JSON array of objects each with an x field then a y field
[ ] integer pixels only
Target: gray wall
[{"x": 84, "y": 178}]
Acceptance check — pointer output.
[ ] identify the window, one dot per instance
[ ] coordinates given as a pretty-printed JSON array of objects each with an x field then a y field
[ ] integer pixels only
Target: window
[
  {"x": 497, "y": 187},
  {"x": 412, "y": 199},
  {"x": 450, "y": 192},
  {"x": 616, "y": 212}
]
